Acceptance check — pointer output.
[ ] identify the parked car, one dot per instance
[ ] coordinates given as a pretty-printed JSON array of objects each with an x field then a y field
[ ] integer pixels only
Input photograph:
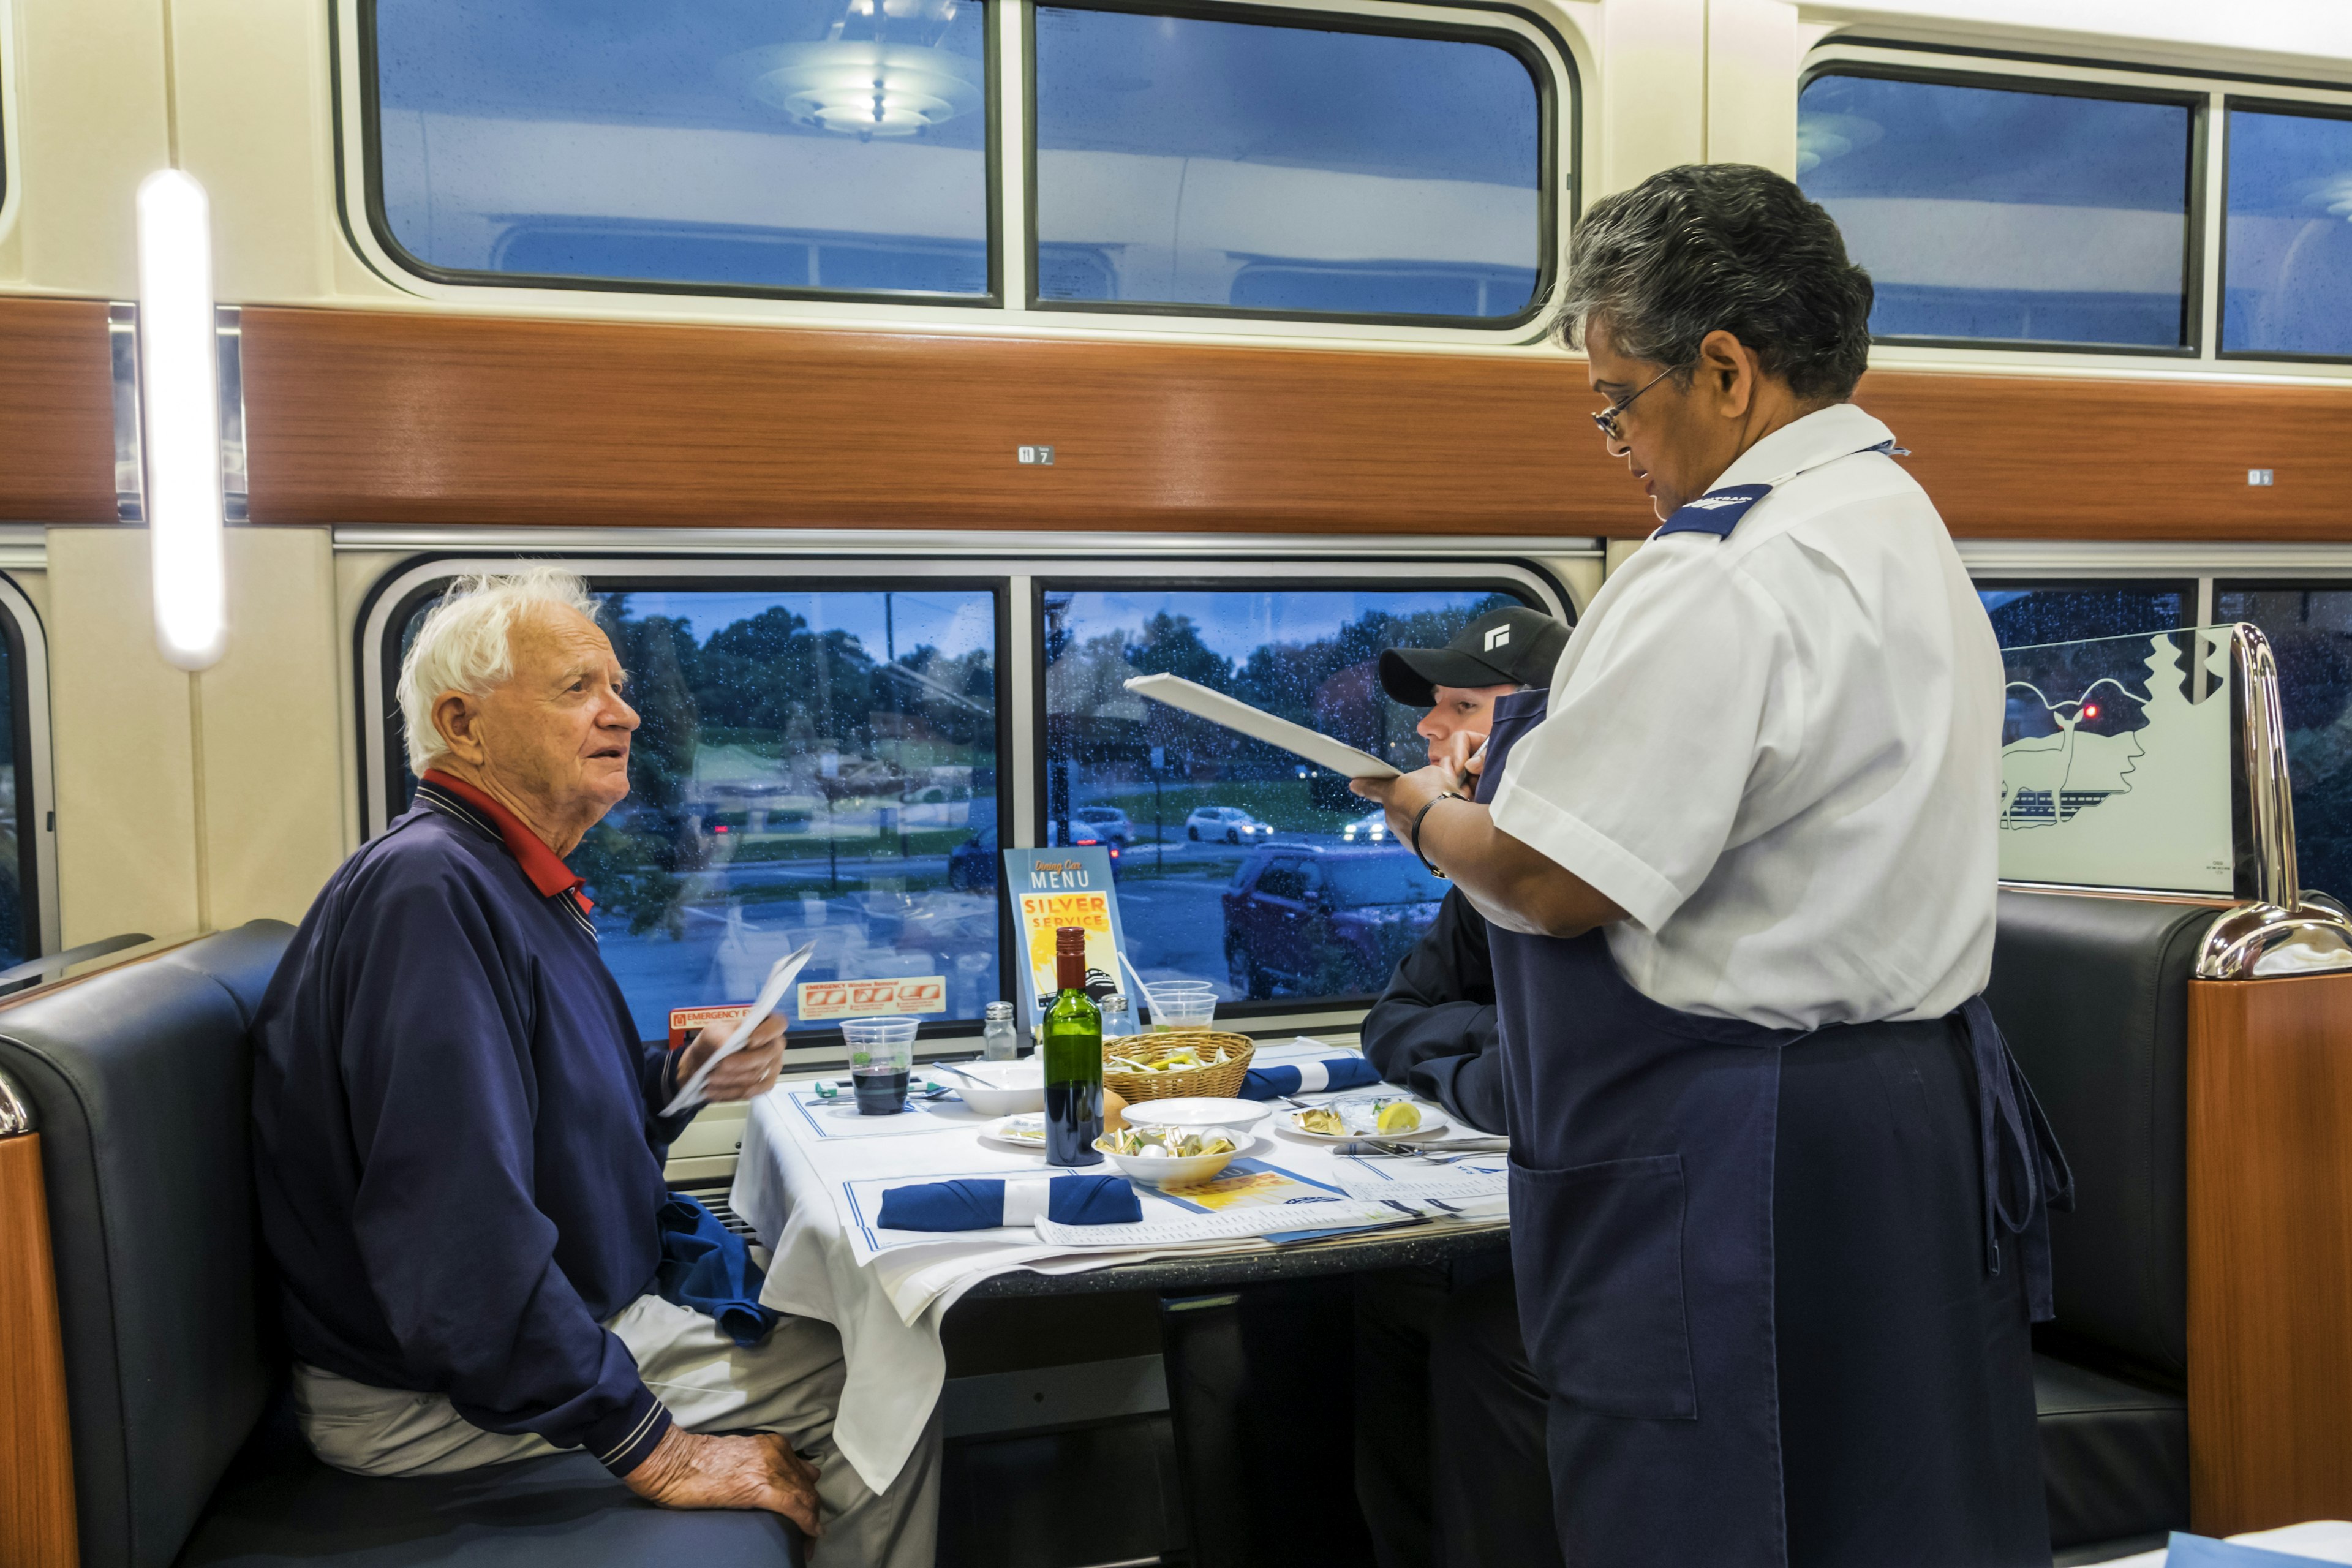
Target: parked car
[
  {"x": 1325, "y": 923},
  {"x": 971, "y": 865},
  {"x": 1229, "y": 823},
  {"x": 1373, "y": 827},
  {"x": 1106, "y": 821}
]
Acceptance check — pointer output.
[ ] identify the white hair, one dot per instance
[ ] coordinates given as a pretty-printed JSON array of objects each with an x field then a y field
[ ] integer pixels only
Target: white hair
[{"x": 464, "y": 644}]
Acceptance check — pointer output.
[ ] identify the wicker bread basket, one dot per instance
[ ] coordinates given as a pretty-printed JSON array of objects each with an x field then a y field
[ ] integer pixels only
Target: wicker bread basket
[{"x": 1222, "y": 1081}]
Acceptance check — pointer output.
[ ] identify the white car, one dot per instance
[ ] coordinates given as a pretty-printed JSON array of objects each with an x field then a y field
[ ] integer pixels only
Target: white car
[
  {"x": 1229, "y": 823},
  {"x": 1106, "y": 821},
  {"x": 1373, "y": 827}
]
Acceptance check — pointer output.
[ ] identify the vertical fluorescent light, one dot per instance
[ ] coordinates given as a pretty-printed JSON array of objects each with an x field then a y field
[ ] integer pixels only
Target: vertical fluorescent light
[{"x": 179, "y": 379}]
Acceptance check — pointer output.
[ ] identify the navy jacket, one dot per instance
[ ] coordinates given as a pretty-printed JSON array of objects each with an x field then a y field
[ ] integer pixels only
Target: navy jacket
[
  {"x": 1434, "y": 1029},
  {"x": 456, "y": 1142}
]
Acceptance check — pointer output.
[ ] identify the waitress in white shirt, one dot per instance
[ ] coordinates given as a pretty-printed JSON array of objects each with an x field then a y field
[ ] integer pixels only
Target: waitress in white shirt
[{"x": 1778, "y": 1192}]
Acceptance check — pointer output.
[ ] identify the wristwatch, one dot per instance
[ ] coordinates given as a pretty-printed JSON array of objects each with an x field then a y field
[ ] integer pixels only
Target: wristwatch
[{"x": 1417, "y": 818}]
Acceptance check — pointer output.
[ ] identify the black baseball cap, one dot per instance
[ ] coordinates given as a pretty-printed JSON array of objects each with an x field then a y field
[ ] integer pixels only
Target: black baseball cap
[{"x": 1506, "y": 647}]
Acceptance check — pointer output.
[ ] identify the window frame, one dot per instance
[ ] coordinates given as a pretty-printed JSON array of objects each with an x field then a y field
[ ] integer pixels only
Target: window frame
[
  {"x": 37, "y": 840},
  {"x": 11, "y": 184},
  {"x": 2304, "y": 109},
  {"x": 1011, "y": 566},
  {"x": 1550, "y": 231},
  {"x": 386, "y": 612},
  {"x": 1566, "y": 49},
  {"x": 1189, "y": 579},
  {"x": 2193, "y": 217},
  {"x": 380, "y": 224}
]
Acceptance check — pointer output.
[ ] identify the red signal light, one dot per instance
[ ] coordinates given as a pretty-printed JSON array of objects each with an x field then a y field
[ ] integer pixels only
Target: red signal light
[{"x": 2090, "y": 709}]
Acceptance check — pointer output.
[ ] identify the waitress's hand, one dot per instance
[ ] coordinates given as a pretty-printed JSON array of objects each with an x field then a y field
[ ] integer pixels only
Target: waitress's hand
[{"x": 1404, "y": 795}]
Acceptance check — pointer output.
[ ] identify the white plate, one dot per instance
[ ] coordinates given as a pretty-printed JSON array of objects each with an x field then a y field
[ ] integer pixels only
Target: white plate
[
  {"x": 1000, "y": 1132},
  {"x": 1432, "y": 1121},
  {"x": 1197, "y": 1112}
]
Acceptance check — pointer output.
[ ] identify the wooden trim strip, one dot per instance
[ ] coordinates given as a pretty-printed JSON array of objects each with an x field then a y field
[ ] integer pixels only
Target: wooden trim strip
[
  {"x": 408, "y": 418},
  {"x": 37, "y": 1527},
  {"x": 57, "y": 412},
  {"x": 2270, "y": 1251}
]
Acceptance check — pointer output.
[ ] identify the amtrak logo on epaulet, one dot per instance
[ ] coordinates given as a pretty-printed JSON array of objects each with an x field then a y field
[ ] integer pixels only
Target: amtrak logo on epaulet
[{"x": 1717, "y": 513}]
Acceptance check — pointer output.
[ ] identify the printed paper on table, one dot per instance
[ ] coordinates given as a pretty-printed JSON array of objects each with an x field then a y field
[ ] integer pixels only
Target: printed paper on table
[{"x": 1050, "y": 888}]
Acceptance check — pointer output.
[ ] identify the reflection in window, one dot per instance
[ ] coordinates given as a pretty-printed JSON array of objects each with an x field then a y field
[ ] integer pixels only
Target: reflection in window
[
  {"x": 1238, "y": 863},
  {"x": 2288, "y": 244},
  {"x": 823, "y": 144},
  {"x": 2311, "y": 634},
  {"x": 2027, "y": 616},
  {"x": 809, "y": 766},
  {"x": 1241, "y": 165},
  {"x": 2008, "y": 215}
]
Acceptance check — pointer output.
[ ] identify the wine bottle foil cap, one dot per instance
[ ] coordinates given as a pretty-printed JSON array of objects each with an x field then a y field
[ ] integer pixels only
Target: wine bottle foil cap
[{"x": 1070, "y": 938}]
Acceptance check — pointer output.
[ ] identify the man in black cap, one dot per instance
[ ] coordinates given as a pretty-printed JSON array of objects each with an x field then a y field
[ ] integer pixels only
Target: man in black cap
[
  {"x": 1432, "y": 1029},
  {"x": 1436, "y": 1348}
]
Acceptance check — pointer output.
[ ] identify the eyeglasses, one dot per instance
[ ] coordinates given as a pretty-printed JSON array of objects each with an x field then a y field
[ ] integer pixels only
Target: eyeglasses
[{"x": 1607, "y": 417}]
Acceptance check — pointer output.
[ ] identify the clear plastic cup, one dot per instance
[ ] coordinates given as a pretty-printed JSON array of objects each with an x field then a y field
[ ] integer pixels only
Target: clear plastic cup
[
  {"x": 881, "y": 1060},
  {"x": 1183, "y": 1004}
]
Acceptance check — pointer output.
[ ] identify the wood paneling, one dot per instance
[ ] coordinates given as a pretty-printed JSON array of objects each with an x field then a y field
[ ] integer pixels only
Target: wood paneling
[
  {"x": 57, "y": 412},
  {"x": 404, "y": 418},
  {"x": 36, "y": 1497},
  {"x": 2270, "y": 1251}
]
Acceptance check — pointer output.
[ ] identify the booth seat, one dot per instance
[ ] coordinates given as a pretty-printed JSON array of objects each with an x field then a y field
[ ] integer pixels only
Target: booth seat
[
  {"x": 184, "y": 1446},
  {"x": 2092, "y": 993}
]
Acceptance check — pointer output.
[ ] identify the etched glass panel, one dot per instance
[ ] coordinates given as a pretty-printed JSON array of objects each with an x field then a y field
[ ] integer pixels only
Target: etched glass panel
[{"x": 2115, "y": 764}]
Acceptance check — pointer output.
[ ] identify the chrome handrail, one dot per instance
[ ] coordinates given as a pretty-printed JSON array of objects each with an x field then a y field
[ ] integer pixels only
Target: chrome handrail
[
  {"x": 2285, "y": 930},
  {"x": 15, "y": 1115}
]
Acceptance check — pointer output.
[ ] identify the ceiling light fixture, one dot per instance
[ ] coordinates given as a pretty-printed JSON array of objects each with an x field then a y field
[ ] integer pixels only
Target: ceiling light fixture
[
  {"x": 862, "y": 89},
  {"x": 179, "y": 377}
]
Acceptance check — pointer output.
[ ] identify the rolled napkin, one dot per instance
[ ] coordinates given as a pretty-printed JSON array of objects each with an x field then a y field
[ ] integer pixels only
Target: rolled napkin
[
  {"x": 984, "y": 1205},
  {"x": 706, "y": 1267},
  {"x": 1307, "y": 1078}
]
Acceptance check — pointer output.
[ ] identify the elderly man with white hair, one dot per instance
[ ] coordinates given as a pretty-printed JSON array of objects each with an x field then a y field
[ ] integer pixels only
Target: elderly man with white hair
[{"x": 459, "y": 1139}]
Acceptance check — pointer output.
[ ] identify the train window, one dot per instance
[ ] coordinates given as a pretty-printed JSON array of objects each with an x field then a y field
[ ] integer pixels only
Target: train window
[
  {"x": 2027, "y": 614},
  {"x": 2287, "y": 249},
  {"x": 2310, "y": 631},
  {"x": 791, "y": 146},
  {"x": 1211, "y": 828},
  {"x": 812, "y": 765},
  {"x": 1991, "y": 213},
  {"x": 1233, "y": 167}
]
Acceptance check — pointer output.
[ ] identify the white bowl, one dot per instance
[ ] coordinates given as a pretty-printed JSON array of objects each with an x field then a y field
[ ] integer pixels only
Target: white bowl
[
  {"x": 1194, "y": 1112},
  {"x": 1168, "y": 1171},
  {"x": 1007, "y": 1089}
]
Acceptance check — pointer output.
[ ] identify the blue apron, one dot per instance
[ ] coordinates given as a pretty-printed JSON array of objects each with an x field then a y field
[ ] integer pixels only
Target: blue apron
[{"x": 1643, "y": 1145}]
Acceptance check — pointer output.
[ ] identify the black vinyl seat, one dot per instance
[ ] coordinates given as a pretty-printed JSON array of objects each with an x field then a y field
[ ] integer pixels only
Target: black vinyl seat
[
  {"x": 183, "y": 1446},
  {"x": 2093, "y": 994}
]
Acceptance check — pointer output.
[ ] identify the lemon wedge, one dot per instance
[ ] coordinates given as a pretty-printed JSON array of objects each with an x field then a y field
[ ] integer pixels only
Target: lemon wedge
[{"x": 1400, "y": 1118}]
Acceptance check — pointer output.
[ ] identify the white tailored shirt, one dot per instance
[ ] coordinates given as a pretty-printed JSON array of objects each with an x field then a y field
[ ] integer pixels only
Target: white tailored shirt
[{"x": 1779, "y": 751}]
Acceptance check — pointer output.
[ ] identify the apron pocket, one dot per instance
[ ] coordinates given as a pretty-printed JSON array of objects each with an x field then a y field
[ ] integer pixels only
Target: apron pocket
[{"x": 1598, "y": 1254}]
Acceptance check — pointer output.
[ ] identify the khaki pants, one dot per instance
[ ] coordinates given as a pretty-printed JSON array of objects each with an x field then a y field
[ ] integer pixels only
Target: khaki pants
[{"x": 790, "y": 1383}]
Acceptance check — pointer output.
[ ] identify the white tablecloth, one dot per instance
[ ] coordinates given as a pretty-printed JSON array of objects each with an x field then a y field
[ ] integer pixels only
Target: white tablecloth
[
  {"x": 805, "y": 1180},
  {"x": 2322, "y": 1540}
]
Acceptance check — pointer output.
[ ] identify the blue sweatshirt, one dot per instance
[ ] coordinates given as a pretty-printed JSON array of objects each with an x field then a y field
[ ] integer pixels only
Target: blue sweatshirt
[{"x": 457, "y": 1139}]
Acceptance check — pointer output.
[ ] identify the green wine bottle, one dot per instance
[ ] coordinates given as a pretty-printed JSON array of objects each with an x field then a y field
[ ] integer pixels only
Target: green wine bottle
[{"x": 1070, "y": 1041}]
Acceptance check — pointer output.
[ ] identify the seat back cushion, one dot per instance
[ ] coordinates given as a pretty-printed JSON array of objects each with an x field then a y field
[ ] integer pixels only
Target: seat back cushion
[
  {"x": 2093, "y": 994},
  {"x": 140, "y": 1078}
]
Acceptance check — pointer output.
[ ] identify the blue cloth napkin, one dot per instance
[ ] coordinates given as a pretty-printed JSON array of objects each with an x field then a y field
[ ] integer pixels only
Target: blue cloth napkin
[
  {"x": 979, "y": 1204},
  {"x": 1338, "y": 1072},
  {"x": 706, "y": 1267}
]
